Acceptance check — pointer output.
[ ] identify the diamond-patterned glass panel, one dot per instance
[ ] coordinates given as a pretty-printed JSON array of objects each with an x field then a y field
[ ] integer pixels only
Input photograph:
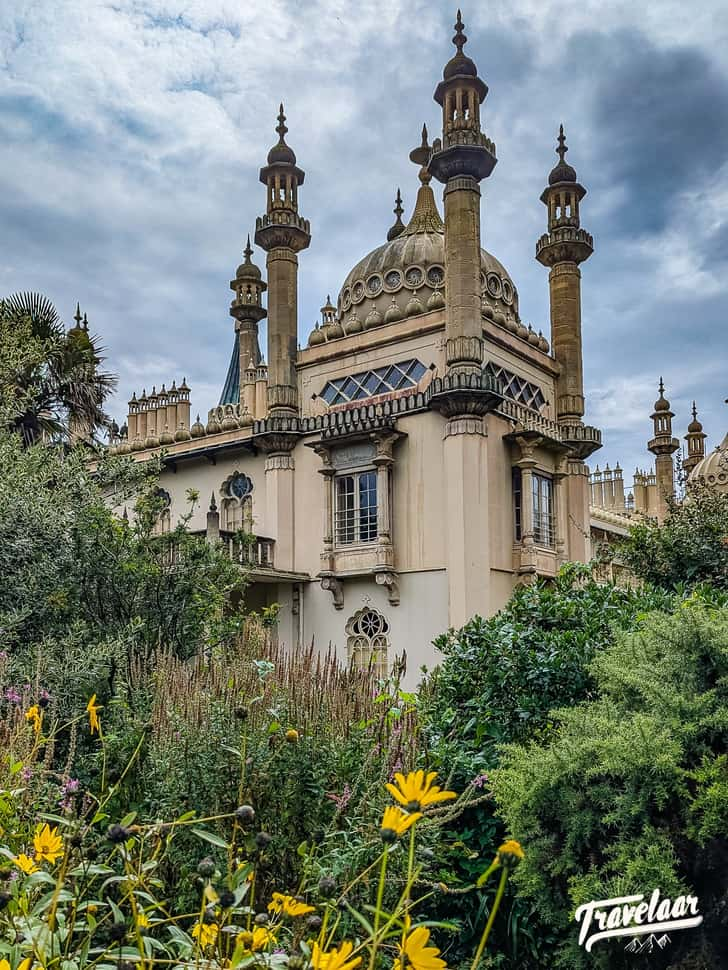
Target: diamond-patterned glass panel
[
  {"x": 371, "y": 383},
  {"x": 517, "y": 388}
]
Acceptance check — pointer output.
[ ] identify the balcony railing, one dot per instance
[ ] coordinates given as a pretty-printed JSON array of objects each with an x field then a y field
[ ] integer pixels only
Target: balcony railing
[{"x": 254, "y": 552}]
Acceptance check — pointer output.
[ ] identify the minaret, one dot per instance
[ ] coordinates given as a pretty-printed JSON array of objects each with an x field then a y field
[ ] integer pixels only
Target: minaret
[
  {"x": 663, "y": 446},
  {"x": 696, "y": 443},
  {"x": 562, "y": 248},
  {"x": 247, "y": 310},
  {"x": 282, "y": 233},
  {"x": 460, "y": 160}
]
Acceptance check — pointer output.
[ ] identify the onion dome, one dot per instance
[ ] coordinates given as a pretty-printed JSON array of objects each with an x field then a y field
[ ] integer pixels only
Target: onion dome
[
  {"x": 229, "y": 422},
  {"x": 183, "y": 389},
  {"x": 394, "y": 313},
  {"x": 124, "y": 447},
  {"x": 460, "y": 65},
  {"x": 511, "y": 325},
  {"x": 414, "y": 306},
  {"x": 213, "y": 425},
  {"x": 499, "y": 317},
  {"x": 695, "y": 427},
  {"x": 247, "y": 269},
  {"x": 662, "y": 404},
  {"x": 522, "y": 331},
  {"x": 78, "y": 335},
  {"x": 198, "y": 429},
  {"x": 353, "y": 324},
  {"x": 713, "y": 469},
  {"x": 151, "y": 441},
  {"x": 316, "y": 337},
  {"x": 436, "y": 301},
  {"x": 373, "y": 319},
  {"x": 543, "y": 343},
  {"x": 532, "y": 336},
  {"x": 562, "y": 171},
  {"x": 182, "y": 434},
  {"x": 487, "y": 311},
  {"x": 398, "y": 227},
  {"x": 166, "y": 437},
  {"x": 281, "y": 152},
  {"x": 334, "y": 330}
]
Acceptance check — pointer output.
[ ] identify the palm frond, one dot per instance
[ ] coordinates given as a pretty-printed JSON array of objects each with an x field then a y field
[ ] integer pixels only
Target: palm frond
[{"x": 44, "y": 318}]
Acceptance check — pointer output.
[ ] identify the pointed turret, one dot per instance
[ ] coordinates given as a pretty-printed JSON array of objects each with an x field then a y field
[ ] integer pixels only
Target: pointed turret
[
  {"x": 663, "y": 446},
  {"x": 695, "y": 439}
]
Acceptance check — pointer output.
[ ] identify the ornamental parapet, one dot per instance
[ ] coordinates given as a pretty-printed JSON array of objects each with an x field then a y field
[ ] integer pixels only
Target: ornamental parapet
[
  {"x": 582, "y": 439},
  {"x": 564, "y": 244},
  {"x": 282, "y": 229}
]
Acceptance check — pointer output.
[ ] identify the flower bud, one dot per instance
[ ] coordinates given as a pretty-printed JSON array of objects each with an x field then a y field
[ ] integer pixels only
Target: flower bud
[
  {"x": 245, "y": 814},
  {"x": 263, "y": 840},
  {"x": 117, "y": 834},
  {"x": 327, "y": 886},
  {"x": 227, "y": 899},
  {"x": 206, "y": 867},
  {"x": 292, "y": 735},
  {"x": 313, "y": 924},
  {"x": 261, "y": 919}
]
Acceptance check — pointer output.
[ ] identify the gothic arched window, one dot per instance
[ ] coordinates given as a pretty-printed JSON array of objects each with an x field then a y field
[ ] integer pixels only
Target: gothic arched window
[
  {"x": 368, "y": 641},
  {"x": 163, "y": 520},
  {"x": 237, "y": 503}
]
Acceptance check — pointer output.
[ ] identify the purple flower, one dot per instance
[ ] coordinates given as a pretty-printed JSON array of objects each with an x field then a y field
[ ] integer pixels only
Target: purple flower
[
  {"x": 44, "y": 695},
  {"x": 12, "y": 695},
  {"x": 27, "y": 773},
  {"x": 70, "y": 785},
  {"x": 342, "y": 800},
  {"x": 3, "y": 655},
  {"x": 480, "y": 780}
]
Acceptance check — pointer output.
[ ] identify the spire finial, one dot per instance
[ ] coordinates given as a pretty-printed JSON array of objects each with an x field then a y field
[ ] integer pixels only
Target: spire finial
[
  {"x": 213, "y": 503},
  {"x": 281, "y": 127},
  {"x": 459, "y": 39},
  {"x": 85, "y": 323},
  {"x": 421, "y": 156},
  {"x": 563, "y": 147},
  {"x": 248, "y": 251},
  {"x": 77, "y": 316},
  {"x": 398, "y": 227},
  {"x": 662, "y": 386},
  {"x": 695, "y": 412},
  {"x": 398, "y": 209}
]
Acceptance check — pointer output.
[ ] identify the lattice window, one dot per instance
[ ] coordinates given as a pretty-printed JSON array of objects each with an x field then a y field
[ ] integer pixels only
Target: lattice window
[
  {"x": 517, "y": 388},
  {"x": 371, "y": 383},
  {"x": 368, "y": 641}
]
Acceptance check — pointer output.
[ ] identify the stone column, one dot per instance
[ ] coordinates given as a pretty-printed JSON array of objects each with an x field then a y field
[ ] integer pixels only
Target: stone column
[
  {"x": 577, "y": 510},
  {"x": 383, "y": 462},
  {"x": 328, "y": 472},
  {"x": 565, "y": 299},
  {"x": 282, "y": 264},
  {"x": 463, "y": 322},
  {"x": 280, "y": 506},
  {"x": 465, "y": 517},
  {"x": 560, "y": 513},
  {"x": 527, "y": 462},
  {"x": 212, "y": 532}
]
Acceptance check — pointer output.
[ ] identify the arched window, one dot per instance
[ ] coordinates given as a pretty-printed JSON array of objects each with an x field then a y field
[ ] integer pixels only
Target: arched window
[
  {"x": 236, "y": 504},
  {"x": 368, "y": 641},
  {"x": 163, "y": 521}
]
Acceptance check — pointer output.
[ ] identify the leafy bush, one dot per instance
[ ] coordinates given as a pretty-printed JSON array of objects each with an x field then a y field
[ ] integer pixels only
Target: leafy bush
[
  {"x": 629, "y": 793},
  {"x": 690, "y": 547}
]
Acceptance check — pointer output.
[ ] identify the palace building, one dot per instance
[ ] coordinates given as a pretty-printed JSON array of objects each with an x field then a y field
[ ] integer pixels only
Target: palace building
[{"x": 426, "y": 451}]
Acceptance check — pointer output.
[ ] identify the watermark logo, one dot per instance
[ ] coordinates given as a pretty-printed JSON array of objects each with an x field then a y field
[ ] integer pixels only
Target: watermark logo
[{"x": 603, "y": 919}]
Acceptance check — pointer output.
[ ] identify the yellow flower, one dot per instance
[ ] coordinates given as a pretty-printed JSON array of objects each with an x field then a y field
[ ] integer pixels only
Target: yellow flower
[
  {"x": 205, "y": 934},
  {"x": 416, "y": 954},
  {"x": 92, "y": 709},
  {"x": 416, "y": 792},
  {"x": 396, "y": 822},
  {"x": 289, "y": 906},
  {"x": 142, "y": 920},
  {"x": 48, "y": 843},
  {"x": 292, "y": 735},
  {"x": 257, "y": 940},
  {"x": 34, "y": 714},
  {"x": 4, "y": 965},
  {"x": 336, "y": 959},
  {"x": 26, "y": 964},
  {"x": 25, "y": 863},
  {"x": 510, "y": 854}
]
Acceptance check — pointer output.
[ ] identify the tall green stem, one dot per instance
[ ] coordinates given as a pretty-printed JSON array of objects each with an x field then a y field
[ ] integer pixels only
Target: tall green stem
[
  {"x": 491, "y": 918},
  {"x": 378, "y": 911}
]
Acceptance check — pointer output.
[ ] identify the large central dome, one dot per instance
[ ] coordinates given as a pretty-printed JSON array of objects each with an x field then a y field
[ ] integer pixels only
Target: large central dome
[{"x": 410, "y": 268}]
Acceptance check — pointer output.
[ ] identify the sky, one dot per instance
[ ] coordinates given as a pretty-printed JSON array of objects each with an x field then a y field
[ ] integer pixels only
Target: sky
[{"x": 132, "y": 133}]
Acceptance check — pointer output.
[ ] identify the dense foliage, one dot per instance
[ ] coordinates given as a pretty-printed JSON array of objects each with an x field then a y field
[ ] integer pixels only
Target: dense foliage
[
  {"x": 631, "y": 790},
  {"x": 690, "y": 547}
]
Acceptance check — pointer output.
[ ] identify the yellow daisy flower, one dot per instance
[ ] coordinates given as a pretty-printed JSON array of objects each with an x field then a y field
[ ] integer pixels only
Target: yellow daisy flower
[
  {"x": 47, "y": 843},
  {"x": 415, "y": 954},
  {"x": 416, "y": 791},
  {"x": 26, "y": 964},
  {"x": 256, "y": 940},
  {"x": 26, "y": 864},
  {"x": 510, "y": 854},
  {"x": 34, "y": 715},
  {"x": 142, "y": 920},
  {"x": 335, "y": 959},
  {"x": 92, "y": 709},
  {"x": 289, "y": 906},
  {"x": 205, "y": 934},
  {"x": 4, "y": 965},
  {"x": 396, "y": 822}
]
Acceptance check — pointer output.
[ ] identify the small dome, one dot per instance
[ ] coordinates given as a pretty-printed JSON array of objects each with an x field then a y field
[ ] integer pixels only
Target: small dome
[
  {"x": 562, "y": 171},
  {"x": 532, "y": 336},
  {"x": 213, "y": 426},
  {"x": 713, "y": 469},
  {"x": 166, "y": 437},
  {"x": 436, "y": 301},
  {"x": 248, "y": 270},
  {"x": 543, "y": 343},
  {"x": 695, "y": 427},
  {"x": 353, "y": 324},
  {"x": 662, "y": 404},
  {"x": 316, "y": 337},
  {"x": 414, "y": 306},
  {"x": 460, "y": 64},
  {"x": 281, "y": 152},
  {"x": 198, "y": 429},
  {"x": 373, "y": 319},
  {"x": 394, "y": 313},
  {"x": 182, "y": 434}
]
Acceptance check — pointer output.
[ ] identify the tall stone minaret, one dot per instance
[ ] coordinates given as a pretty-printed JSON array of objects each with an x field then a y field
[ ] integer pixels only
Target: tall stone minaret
[
  {"x": 663, "y": 446},
  {"x": 563, "y": 248},
  {"x": 696, "y": 443},
  {"x": 282, "y": 233},
  {"x": 461, "y": 159},
  {"x": 247, "y": 309}
]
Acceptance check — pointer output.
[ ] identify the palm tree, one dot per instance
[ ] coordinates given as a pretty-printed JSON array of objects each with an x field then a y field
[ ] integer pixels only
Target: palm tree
[{"x": 56, "y": 388}]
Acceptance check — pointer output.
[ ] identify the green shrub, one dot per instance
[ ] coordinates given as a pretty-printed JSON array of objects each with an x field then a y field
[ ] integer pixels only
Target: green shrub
[{"x": 630, "y": 793}]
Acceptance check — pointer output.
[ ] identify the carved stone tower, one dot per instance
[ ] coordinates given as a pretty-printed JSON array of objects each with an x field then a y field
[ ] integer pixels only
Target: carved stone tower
[
  {"x": 696, "y": 443},
  {"x": 247, "y": 310},
  {"x": 562, "y": 249},
  {"x": 282, "y": 233},
  {"x": 663, "y": 446},
  {"x": 461, "y": 159}
]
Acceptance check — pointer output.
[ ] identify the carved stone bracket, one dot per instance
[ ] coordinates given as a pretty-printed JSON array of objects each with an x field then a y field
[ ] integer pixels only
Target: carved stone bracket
[
  {"x": 389, "y": 579},
  {"x": 336, "y": 588}
]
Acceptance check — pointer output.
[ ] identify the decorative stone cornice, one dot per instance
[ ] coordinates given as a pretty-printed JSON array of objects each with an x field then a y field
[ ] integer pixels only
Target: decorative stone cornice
[
  {"x": 564, "y": 245},
  {"x": 465, "y": 424},
  {"x": 280, "y": 232},
  {"x": 279, "y": 461}
]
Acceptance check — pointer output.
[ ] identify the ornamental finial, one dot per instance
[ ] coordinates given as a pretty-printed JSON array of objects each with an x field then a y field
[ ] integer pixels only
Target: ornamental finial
[
  {"x": 281, "y": 127},
  {"x": 398, "y": 209},
  {"x": 563, "y": 147},
  {"x": 459, "y": 40},
  {"x": 77, "y": 317},
  {"x": 248, "y": 251}
]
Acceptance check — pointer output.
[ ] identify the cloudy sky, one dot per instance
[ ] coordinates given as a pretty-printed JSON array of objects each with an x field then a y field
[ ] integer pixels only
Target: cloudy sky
[{"x": 132, "y": 131}]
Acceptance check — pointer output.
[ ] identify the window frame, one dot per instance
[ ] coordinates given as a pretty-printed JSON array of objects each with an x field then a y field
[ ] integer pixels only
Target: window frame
[
  {"x": 543, "y": 520},
  {"x": 364, "y": 517}
]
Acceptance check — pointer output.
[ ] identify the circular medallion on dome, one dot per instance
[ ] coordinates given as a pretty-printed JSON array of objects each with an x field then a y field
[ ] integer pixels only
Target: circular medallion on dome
[
  {"x": 435, "y": 276},
  {"x": 346, "y": 298},
  {"x": 374, "y": 284},
  {"x": 392, "y": 280},
  {"x": 494, "y": 285},
  {"x": 414, "y": 276},
  {"x": 357, "y": 292},
  {"x": 507, "y": 292}
]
